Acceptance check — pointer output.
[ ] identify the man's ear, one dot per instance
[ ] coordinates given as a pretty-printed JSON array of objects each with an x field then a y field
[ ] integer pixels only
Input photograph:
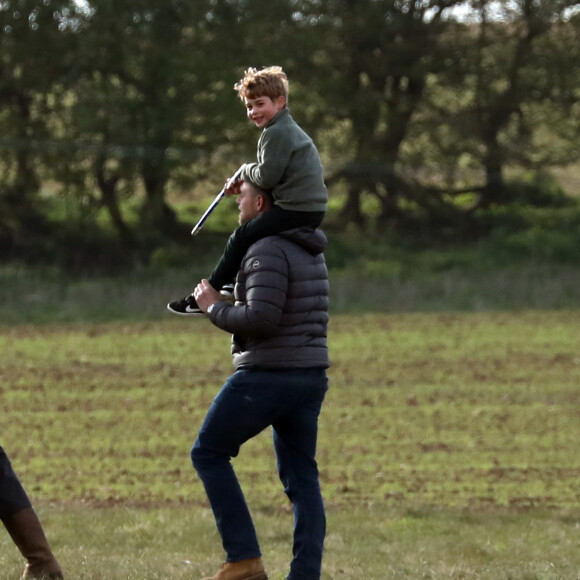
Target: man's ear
[{"x": 260, "y": 202}]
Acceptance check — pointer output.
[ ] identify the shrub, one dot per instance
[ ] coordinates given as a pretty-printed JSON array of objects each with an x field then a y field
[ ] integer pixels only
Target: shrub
[{"x": 537, "y": 188}]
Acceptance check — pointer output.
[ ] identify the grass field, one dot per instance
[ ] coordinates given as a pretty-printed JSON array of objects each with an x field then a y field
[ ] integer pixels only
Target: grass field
[
  {"x": 465, "y": 280},
  {"x": 448, "y": 447}
]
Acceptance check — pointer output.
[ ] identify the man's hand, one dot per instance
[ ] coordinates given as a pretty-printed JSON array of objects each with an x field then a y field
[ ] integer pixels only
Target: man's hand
[{"x": 205, "y": 295}]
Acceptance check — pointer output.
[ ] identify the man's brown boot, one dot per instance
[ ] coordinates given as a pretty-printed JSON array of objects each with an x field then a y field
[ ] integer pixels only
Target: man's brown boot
[
  {"x": 252, "y": 569},
  {"x": 25, "y": 529}
]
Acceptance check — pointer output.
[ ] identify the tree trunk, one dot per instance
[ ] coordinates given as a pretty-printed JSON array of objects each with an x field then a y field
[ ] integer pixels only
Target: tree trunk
[
  {"x": 156, "y": 215},
  {"x": 108, "y": 189},
  {"x": 19, "y": 195},
  {"x": 351, "y": 211},
  {"x": 390, "y": 210},
  {"x": 494, "y": 189}
]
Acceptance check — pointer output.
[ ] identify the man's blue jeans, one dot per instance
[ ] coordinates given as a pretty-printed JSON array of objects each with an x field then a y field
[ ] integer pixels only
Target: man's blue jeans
[{"x": 289, "y": 400}]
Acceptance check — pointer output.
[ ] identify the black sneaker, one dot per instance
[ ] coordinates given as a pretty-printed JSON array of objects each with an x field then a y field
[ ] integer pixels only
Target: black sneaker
[
  {"x": 185, "y": 307},
  {"x": 227, "y": 292}
]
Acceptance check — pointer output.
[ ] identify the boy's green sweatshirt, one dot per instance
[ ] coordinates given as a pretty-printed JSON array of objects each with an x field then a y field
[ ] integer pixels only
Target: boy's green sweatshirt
[{"x": 289, "y": 166}]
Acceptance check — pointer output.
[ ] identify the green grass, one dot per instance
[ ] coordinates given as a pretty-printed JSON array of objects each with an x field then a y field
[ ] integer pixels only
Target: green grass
[
  {"x": 379, "y": 543},
  {"x": 47, "y": 296},
  {"x": 448, "y": 446}
]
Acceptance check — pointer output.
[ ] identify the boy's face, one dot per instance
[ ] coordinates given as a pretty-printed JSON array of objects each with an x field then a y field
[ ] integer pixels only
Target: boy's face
[{"x": 262, "y": 109}]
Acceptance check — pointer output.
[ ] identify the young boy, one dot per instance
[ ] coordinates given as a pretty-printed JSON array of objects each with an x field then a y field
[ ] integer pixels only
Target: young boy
[{"x": 288, "y": 165}]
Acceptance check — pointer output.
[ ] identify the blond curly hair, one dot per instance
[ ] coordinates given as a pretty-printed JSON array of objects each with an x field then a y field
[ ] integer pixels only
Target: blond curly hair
[{"x": 270, "y": 82}]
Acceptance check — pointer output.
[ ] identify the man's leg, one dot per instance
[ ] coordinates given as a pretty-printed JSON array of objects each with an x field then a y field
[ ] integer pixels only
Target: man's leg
[
  {"x": 234, "y": 417},
  {"x": 295, "y": 439}
]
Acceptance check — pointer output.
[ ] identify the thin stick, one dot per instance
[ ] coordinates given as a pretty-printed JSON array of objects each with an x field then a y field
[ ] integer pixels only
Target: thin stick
[{"x": 214, "y": 203}]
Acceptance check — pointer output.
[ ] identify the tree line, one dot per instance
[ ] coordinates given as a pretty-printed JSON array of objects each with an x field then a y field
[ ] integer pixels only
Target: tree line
[{"x": 421, "y": 106}]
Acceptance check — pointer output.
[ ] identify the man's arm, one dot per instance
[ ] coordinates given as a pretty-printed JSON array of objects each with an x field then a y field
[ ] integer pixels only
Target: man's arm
[{"x": 265, "y": 278}]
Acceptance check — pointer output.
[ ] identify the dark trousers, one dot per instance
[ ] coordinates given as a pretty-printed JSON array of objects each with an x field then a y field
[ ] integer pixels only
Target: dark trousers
[
  {"x": 13, "y": 498},
  {"x": 251, "y": 399},
  {"x": 272, "y": 222}
]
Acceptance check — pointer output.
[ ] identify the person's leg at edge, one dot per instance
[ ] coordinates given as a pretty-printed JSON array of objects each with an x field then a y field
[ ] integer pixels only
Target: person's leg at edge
[
  {"x": 23, "y": 525},
  {"x": 295, "y": 444},
  {"x": 272, "y": 222},
  {"x": 13, "y": 497}
]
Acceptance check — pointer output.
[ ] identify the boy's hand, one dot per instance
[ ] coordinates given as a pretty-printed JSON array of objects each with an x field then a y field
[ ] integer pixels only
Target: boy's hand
[{"x": 232, "y": 186}]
